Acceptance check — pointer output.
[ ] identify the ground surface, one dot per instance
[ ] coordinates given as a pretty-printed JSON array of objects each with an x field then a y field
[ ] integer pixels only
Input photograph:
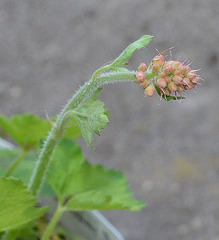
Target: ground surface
[{"x": 169, "y": 151}]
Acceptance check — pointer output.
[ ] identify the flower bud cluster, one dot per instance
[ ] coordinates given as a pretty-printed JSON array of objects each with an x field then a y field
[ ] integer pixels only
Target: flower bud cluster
[{"x": 169, "y": 76}]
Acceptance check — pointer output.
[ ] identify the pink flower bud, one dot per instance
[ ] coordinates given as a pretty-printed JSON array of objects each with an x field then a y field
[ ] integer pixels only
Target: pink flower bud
[
  {"x": 167, "y": 79},
  {"x": 162, "y": 75},
  {"x": 176, "y": 72},
  {"x": 167, "y": 69},
  {"x": 176, "y": 64},
  {"x": 182, "y": 70},
  {"x": 150, "y": 90},
  {"x": 144, "y": 84},
  {"x": 186, "y": 81},
  {"x": 156, "y": 67},
  {"x": 140, "y": 76},
  {"x": 177, "y": 79},
  {"x": 180, "y": 88},
  {"x": 161, "y": 83},
  {"x": 158, "y": 60},
  {"x": 142, "y": 67},
  {"x": 172, "y": 86},
  {"x": 170, "y": 77},
  {"x": 190, "y": 86}
]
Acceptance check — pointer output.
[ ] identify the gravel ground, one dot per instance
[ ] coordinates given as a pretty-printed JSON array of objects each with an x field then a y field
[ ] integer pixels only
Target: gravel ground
[{"x": 169, "y": 151}]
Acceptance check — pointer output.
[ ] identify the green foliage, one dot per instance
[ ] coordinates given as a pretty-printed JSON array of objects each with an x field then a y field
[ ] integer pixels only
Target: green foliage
[
  {"x": 27, "y": 129},
  {"x": 24, "y": 170},
  {"x": 73, "y": 131},
  {"x": 128, "y": 52},
  {"x": 120, "y": 61},
  {"x": 91, "y": 117},
  {"x": 82, "y": 186},
  {"x": 16, "y": 204}
]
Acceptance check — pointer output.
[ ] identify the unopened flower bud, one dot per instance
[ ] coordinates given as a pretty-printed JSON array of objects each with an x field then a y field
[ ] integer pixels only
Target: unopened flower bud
[
  {"x": 176, "y": 72},
  {"x": 182, "y": 70},
  {"x": 161, "y": 83},
  {"x": 161, "y": 75},
  {"x": 180, "y": 88},
  {"x": 150, "y": 90},
  {"x": 186, "y": 81},
  {"x": 177, "y": 79},
  {"x": 172, "y": 86},
  {"x": 190, "y": 86},
  {"x": 167, "y": 69},
  {"x": 144, "y": 84},
  {"x": 156, "y": 67},
  {"x": 142, "y": 67},
  {"x": 140, "y": 76},
  {"x": 167, "y": 79},
  {"x": 158, "y": 60},
  {"x": 176, "y": 64},
  {"x": 191, "y": 75}
]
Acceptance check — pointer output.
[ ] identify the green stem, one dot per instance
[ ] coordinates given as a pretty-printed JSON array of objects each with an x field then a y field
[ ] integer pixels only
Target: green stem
[
  {"x": 60, "y": 209},
  {"x": 58, "y": 129},
  {"x": 16, "y": 162}
]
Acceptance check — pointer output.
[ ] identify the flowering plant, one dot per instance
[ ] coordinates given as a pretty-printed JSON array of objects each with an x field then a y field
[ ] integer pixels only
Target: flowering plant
[{"x": 54, "y": 164}]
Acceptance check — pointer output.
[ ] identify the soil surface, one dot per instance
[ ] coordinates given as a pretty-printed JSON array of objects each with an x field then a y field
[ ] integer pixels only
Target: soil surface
[{"x": 168, "y": 150}]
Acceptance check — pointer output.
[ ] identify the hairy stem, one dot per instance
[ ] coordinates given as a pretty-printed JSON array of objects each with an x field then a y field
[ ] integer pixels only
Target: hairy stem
[{"x": 59, "y": 128}]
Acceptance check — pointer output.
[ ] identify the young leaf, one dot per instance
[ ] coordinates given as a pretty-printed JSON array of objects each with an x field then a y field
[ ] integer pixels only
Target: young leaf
[
  {"x": 124, "y": 56},
  {"x": 82, "y": 186},
  {"x": 73, "y": 131},
  {"x": 91, "y": 117},
  {"x": 128, "y": 52},
  {"x": 16, "y": 204}
]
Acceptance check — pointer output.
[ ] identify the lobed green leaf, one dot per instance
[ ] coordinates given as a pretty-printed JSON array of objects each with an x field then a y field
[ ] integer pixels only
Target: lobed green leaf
[
  {"x": 24, "y": 170},
  {"x": 17, "y": 205},
  {"x": 27, "y": 129},
  {"x": 82, "y": 186}
]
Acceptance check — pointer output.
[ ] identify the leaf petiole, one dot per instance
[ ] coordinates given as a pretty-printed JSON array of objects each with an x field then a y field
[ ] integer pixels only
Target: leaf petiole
[
  {"x": 16, "y": 162},
  {"x": 57, "y": 215}
]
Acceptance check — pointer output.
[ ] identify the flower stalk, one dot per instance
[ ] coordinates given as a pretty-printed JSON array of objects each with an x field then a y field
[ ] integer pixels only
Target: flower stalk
[{"x": 59, "y": 127}]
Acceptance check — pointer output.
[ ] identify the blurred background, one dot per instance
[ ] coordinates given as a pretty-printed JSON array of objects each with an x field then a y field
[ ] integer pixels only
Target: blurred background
[{"x": 168, "y": 150}]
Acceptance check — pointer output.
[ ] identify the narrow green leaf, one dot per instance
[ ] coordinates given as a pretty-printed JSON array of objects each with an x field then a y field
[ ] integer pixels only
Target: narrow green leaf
[
  {"x": 117, "y": 64},
  {"x": 82, "y": 186},
  {"x": 128, "y": 52},
  {"x": 91, "y": 117},
  {"x": 17, "y": 205}
]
